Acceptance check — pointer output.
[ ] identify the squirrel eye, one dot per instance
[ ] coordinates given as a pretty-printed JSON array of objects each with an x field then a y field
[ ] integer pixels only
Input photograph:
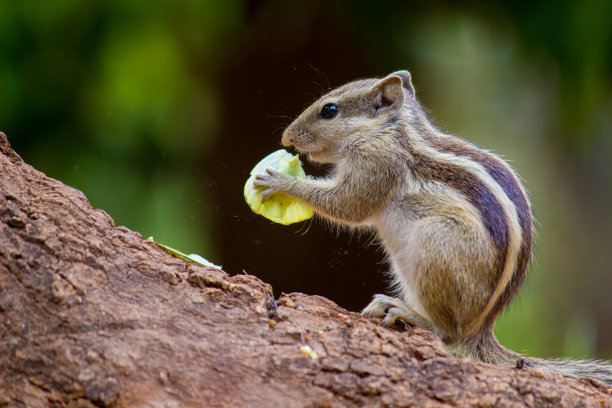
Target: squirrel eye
[{"x": 329, "y": 111}]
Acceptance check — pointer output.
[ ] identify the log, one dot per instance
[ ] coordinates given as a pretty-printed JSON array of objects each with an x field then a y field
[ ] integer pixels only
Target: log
[{"x": 92, "y": 315}]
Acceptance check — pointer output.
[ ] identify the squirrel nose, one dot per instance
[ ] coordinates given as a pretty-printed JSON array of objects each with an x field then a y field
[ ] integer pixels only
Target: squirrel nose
[{"x": 287, "y": 139}]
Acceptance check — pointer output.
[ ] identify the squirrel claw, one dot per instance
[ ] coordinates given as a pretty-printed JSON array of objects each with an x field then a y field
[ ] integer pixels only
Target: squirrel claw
[
  {"x": 273, "y": 172},
  {"x": 260, "y": 181},
  {"x": 265, "y": 180}
]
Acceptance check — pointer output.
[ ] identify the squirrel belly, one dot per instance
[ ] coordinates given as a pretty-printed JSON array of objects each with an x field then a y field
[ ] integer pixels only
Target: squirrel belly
[{"x": 454, "y": 219}]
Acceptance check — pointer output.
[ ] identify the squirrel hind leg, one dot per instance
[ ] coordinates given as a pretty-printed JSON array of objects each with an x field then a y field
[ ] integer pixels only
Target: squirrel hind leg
[{"x": 393, "y": 309}]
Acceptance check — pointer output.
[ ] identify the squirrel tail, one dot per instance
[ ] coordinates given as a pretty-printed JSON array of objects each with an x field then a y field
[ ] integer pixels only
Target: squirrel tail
[{"x": 486, "y": 348}]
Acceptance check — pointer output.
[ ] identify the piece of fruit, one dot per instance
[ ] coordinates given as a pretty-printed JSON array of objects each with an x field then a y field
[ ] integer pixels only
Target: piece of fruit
[{"x": 279, "y": 208}]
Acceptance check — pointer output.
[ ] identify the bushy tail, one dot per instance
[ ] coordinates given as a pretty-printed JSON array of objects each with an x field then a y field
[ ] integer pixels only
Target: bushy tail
[{"x": 486, "y": 348}]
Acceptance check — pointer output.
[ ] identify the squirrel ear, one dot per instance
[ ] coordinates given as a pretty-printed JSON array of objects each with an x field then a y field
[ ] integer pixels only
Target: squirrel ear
[
  {"x": 388, "y": 92},
  {"x": 406, "y": 80}
]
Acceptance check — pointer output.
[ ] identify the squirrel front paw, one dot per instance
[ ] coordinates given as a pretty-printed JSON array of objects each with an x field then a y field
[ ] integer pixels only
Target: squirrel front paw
[{"x": 272, "y": 182}]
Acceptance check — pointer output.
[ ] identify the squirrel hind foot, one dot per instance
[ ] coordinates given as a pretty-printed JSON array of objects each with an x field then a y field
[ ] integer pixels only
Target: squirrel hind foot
[{"x": 393, "y": 311}]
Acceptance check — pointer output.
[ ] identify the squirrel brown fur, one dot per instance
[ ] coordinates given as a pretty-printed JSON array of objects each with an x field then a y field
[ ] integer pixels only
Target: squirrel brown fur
[{"x": 454, "y": 219}]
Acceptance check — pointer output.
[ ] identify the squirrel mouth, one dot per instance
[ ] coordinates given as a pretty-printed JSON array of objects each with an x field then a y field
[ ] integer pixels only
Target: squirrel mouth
[{"x": 314, "y": 153}]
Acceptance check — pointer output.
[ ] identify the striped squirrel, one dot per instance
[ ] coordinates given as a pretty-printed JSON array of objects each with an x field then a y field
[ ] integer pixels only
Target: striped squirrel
[{"x": 454, "y": 219}]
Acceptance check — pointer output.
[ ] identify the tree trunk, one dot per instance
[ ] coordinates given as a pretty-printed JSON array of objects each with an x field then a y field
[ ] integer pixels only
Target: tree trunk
[{"x": 93, "y": 315}]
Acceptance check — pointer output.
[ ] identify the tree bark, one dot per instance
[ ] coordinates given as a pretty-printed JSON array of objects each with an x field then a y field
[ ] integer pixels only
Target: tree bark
[{"x": 93, "y": 315}]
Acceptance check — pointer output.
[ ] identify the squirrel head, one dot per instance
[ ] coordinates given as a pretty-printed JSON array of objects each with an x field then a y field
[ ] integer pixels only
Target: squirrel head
[{"x": 346, "y": 115}]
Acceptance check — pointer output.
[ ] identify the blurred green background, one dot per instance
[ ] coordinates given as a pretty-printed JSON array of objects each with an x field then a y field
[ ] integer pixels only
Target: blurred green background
[{"x": 157, "y": 111}]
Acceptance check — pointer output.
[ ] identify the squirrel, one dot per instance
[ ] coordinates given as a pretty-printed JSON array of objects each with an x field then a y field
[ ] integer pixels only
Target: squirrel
[{"x": 454, "y": 219}]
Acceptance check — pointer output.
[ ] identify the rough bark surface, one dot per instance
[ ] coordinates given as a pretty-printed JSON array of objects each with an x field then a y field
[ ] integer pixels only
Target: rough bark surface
[{"x": 93, "y": 315}]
